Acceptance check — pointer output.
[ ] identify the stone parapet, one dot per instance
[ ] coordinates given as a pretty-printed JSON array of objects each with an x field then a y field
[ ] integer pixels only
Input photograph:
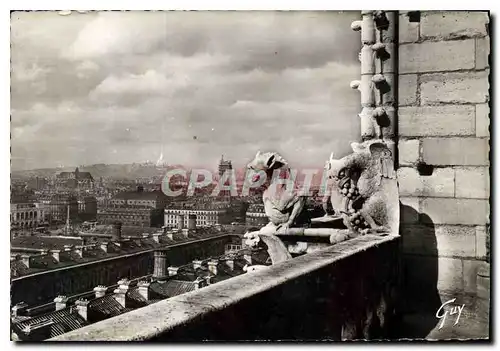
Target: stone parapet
[{"x": 354, "y": 285}]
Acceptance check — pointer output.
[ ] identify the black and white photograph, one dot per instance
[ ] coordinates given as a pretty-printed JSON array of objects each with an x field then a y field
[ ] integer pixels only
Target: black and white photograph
[{"x": 250, "y": 176}]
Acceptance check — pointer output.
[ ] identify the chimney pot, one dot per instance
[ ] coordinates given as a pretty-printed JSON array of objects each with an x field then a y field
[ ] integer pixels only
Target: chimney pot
[
  {"x": 78, "y": 251},
  {"x": 26, "y": 260},
  {"x": 172, "y": 271},
  {"x": 100, "y": 291},
  {"x": 199, "y": 283},
  {"x": 197, "y": 264},
  {"x": 56, "y": 254},
  {"x": 117, "y": 231},
  {"x": 160, "y": 264},
  {"x": 121, "y": 295},
  {"x": 156, "y": 237},
  {"x": 230, "y": 263},
  {"x": 61, "y": 302},
  {"x": 180, "y": 221},
  {"x": 248, "y": 258},
  {"x": 19, "y": 309},
  {"x": 82, "y": 308},
  {"x": 124, "y": 283},
  {"x": 192, "y": 222},
  {"x": 212, "y": 266},
  {"x": 143, "y": 288},
  {"x": 104, "y": 246}
]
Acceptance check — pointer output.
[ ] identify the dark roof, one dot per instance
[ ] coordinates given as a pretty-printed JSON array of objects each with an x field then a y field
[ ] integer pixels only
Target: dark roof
[
  {"x": 172, "y": 288},
  {"x": 107, "y": 229},
  {"x": 86, "y": 198},
  {"x": 77, "y": 175},
  {"x": 85, "y": 175},
  {"x": 199, "y": 206},
  {"x": 139, "y": 301},
  {"x": 68, "y": 258},
  {"x": 43, "y": 262},
  {"x": 106, "y": 307},
  {"x": 62, "y": 198},
  {"x": 139, "y": 195},
  {"x": 18, "y": 268},
  {"x": 255, "y": 209},
  {"x": 22, "y": 198},
  {"x": 64, "y": 320},
  {"x": 44, "y": 242},
  {"x": 137, "y": 231}
]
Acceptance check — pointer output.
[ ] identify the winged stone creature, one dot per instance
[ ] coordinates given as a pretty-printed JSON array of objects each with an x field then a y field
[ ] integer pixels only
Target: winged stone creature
[
  {"x": 365, "y": 188},
  {"x": 282, "y": 203}
]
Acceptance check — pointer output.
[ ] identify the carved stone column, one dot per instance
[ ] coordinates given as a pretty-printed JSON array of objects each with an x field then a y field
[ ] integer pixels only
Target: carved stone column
[{"x": 378, "y": 83}]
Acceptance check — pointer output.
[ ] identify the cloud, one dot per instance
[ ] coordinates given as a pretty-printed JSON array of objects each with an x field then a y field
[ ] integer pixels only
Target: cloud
[
  {"x": 86, "y": 69},
  {"x": 118, "y": 85},
  {"x": 149, "y": 82},
  {"x": 112, "y": 33},
  {"x": 28, "y": 73}
]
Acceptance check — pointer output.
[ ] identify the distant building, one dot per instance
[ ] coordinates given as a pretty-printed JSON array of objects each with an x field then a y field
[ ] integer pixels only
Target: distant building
[
  {"x": 139, "y": 198},
  {"x": 37, "y": 183},
  {"x": 26, "y": 216},
  {"x": 58, "y": 207},
  {"x": 135, "y": 208},
  {"x": 224, "y": 165},
  {"x": 139, "y": 216},
  {"x": 87, "y": 208},
  {"x": 256, "y": 215},
  {"x": 74, "y": 180},
  {"x": 206, "y": 214}
]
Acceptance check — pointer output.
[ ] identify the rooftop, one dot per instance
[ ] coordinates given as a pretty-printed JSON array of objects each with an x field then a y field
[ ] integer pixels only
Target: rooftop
[
  {"x": 44, "y": 242},
  {"x": 108, "y": 306},
  {"x": 139, "y": 195},
  {"x": 76, "y": 174},
  {"x": 90, "y": 246},
  {"x": 64, "y": 320}
]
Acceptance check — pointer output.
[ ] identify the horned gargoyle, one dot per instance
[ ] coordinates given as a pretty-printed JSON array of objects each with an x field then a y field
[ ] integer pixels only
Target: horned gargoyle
[
  {"x": 282, "y": 204},
  {"x": 365, "y": 188}
]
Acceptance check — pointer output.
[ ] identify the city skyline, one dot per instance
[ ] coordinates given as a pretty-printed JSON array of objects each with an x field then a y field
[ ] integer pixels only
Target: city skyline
[{"x": 125, "y": 87}]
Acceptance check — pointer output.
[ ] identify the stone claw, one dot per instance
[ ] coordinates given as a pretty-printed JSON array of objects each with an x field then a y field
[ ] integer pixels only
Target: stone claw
[
  {"x": 378, "y": 230},
  {"x": 253, "y": 268},
  {"x": 283, "y": 228},
  {"x": 252, "y": 239}
]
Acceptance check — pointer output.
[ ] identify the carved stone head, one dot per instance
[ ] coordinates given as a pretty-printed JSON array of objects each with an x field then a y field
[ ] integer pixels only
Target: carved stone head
[
  {"x": 365, "y": 188},
  {"x": 266, "y": 161}
]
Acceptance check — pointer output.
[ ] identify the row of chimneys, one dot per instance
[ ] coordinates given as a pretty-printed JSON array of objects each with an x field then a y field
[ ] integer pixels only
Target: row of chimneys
[
  {"x": 191, "y": 221},
  {"x": 116, "y": 240},
  {"x": 120, "y": 293},
  {"x": 162, "y": 270},
  {"x": 79, "y": 250}
]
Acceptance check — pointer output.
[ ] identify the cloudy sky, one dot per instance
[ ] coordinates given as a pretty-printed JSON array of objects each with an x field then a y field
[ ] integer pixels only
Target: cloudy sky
[{"x": 113, "y": 87}]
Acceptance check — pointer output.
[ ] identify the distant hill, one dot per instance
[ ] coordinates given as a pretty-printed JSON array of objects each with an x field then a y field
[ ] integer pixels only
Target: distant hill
[
  {"x": 113, "y": 171},
  {"x": 133, "y": 171}
]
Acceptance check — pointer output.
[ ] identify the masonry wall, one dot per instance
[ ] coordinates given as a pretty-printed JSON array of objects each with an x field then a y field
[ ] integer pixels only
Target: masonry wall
[{"x": 444, "y": 151}]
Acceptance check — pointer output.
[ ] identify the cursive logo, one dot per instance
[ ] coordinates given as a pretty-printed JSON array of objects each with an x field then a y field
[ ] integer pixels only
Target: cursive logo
[{"x": 455, "y": 309}]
